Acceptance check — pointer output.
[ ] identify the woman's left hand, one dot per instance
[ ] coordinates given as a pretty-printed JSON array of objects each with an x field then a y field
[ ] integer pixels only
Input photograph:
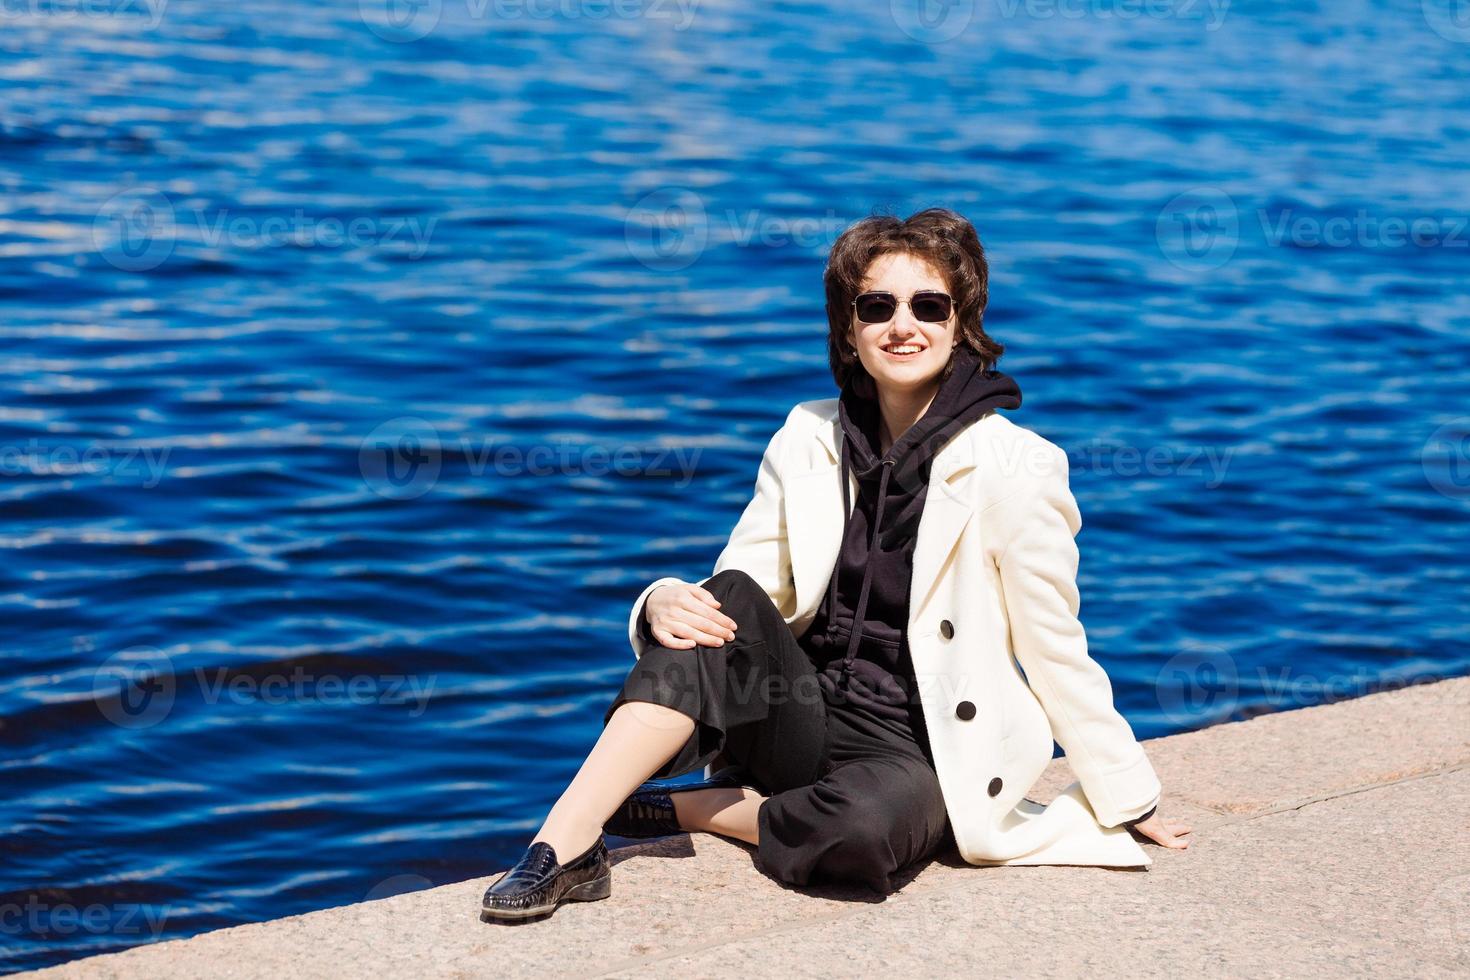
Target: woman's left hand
[{"x": 1168, "y": 833}]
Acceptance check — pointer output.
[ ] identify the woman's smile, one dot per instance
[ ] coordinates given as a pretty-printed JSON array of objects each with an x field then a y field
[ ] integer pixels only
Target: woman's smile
[{"x": 903, "y": 352}]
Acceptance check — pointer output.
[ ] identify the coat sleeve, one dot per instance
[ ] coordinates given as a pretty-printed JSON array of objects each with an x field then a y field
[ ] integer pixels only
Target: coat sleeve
[
  {"x": 1037, "y": 562},
  {"x": 757, "y": 546}
]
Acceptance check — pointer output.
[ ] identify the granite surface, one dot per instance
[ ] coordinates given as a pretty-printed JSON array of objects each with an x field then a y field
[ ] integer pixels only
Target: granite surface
[{"x": 1326, "y": 839}]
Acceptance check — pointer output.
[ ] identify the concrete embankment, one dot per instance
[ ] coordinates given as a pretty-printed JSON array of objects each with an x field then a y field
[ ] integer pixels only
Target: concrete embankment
[{"x": 1327, "y": 840}]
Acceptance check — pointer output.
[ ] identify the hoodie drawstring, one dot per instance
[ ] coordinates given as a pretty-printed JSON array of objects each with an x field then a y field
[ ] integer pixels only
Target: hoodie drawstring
[
  {"x": 846, "y": 519},
  {"x": 856, "y": 633}
]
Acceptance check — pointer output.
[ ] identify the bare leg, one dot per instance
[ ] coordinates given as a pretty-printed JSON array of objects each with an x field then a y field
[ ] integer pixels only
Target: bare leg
[
  {"x": 728, "y": 811},
  {"x": 638, "y": 739}
]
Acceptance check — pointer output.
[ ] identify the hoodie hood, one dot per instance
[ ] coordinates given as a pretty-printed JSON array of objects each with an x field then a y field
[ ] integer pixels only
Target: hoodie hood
[{"x": 892, "y": 485}]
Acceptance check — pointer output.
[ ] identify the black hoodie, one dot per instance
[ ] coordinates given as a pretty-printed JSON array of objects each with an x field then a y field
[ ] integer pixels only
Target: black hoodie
[{"x": 869, "y": 666}]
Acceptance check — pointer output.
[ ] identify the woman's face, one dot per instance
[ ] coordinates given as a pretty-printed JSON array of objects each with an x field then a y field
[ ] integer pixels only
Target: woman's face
[{"x": 879, "y": 345}]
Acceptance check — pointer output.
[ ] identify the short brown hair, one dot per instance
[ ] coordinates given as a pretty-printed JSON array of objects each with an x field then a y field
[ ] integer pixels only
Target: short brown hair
[{"x": 947, "y": 241}]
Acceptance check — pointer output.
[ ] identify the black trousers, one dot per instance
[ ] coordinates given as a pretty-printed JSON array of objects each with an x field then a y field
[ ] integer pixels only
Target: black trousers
[{"x": 850, "y": 799}]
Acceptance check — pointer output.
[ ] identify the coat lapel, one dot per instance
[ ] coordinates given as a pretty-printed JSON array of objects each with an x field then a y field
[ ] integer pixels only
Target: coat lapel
[{"x": 814, "y": 516}]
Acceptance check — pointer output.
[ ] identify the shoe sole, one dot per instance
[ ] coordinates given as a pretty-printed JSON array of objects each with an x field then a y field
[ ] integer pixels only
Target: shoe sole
[
  {"x": 588, "y": 891},
  {"x": 635, "y": 826}
]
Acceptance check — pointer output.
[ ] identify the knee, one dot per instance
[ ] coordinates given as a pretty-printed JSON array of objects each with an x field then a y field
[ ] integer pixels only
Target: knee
[
  {"x": 861, "y": 846},
  {"x": 867, "y": 835},
  {"x": 733, "y": 582},
  {"x": 879, "y": 833},
  {"x": 861, "y": 855},
  {"x": 736, "y": 590}
]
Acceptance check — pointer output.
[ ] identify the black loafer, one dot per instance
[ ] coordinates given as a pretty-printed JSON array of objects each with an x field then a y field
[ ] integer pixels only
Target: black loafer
[
  {"x": 649, "y": 812},
  {"x": 537, "y": 885}
]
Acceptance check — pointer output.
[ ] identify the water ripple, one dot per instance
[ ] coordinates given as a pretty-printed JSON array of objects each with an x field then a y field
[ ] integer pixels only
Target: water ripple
[{"x": 246, "y": 247}]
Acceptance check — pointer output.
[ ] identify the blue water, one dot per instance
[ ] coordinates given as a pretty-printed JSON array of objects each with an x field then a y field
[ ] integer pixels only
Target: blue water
[{"x": 356, "y": 382}]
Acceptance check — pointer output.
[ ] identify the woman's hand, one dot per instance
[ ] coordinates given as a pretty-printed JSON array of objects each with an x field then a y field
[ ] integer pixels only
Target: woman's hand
[
  {"x": 1165, "y": 832},
  {"x": 684, "y": 615}
]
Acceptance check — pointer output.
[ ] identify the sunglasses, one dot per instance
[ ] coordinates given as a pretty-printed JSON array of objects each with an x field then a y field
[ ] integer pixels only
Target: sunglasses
[{"x": 928, "y": 305}]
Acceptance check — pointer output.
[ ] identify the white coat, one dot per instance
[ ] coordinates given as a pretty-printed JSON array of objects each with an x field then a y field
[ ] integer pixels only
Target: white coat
[{"x": 993, "y": 594}]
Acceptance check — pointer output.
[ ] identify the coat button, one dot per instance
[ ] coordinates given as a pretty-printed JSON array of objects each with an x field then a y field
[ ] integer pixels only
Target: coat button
[
  {"x": 946, "y": 629},
  {"x": 965, "y": 710},
  {"x": 994, "y": 788}
]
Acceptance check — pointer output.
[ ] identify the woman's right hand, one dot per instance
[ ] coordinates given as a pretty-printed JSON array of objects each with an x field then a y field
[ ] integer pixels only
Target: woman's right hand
[{"x": 684, "y": 615}]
